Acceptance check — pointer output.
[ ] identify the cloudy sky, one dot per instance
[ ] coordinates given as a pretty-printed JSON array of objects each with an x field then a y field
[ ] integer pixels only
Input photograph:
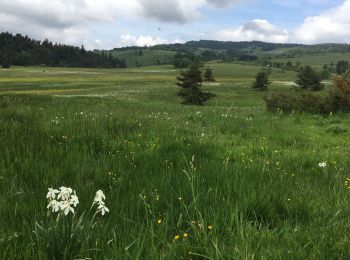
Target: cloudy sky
[{"x": 106, "y": 24}]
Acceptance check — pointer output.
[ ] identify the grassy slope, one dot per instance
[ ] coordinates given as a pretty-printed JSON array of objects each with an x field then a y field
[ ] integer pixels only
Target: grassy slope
[{"x": 255, "y": 178}]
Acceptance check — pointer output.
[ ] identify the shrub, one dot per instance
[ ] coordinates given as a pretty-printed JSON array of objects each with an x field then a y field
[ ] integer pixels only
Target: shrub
[
  {"x": 298, "y": 102},
  {"x": 5, "y": 66}
]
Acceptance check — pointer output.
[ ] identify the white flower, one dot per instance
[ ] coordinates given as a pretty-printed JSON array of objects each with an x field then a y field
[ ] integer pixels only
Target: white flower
[
  {"x": 103, "y": 209},
  {"x": 322, "y": 164},
  {"x": 66, "y": 207},
  {"x": 100, "y": 196},
  {"x": 74, "y": 200},
  {"x": 64, "y": 193},
  {"x": 99, "y": 200},
  {"x": 55, "y": 205},
  {"x": 51, "y": 195}
]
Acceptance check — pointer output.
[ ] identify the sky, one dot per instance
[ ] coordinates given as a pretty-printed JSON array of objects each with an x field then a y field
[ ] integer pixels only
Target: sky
[{"x": 107, "y": 24}]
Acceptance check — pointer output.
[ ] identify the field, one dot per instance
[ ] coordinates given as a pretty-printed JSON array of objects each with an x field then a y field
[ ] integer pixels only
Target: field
[{"x": 227, "y": 180}]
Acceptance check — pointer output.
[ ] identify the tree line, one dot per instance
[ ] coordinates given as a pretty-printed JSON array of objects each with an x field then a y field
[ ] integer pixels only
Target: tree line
[{"x": 21, "y": 50}]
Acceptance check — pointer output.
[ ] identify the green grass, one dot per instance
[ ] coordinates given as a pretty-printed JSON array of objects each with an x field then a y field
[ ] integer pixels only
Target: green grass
[{"x": 254, "y": 178}]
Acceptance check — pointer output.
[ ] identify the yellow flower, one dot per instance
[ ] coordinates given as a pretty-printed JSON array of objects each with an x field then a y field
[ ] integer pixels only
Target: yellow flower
[
  {"x": 159, "y": 221},
  {"x": 210, "y": 227},
  {"x": 177, "y": 237},
  {"x": 185, "y": 235}
]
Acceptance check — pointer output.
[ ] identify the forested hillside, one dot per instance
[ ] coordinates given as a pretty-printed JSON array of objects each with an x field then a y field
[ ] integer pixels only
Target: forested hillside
[{"x": 23, "y": 51}]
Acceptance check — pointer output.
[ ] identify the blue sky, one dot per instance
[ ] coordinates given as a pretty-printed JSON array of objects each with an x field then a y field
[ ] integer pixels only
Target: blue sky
[{"x": 105, "y": 24}]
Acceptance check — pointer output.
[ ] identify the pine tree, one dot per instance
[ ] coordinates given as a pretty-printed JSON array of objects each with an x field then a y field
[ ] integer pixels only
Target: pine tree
[
  {"x": 208, "y": 75},
  {"x": 190, "y": 82},
  {"x": 261, "y": 81},
  {"x": 309, "y": 79}
]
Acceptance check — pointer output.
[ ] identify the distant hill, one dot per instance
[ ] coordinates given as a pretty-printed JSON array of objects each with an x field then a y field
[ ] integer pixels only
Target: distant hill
[
  {"x": 208, "y": 50},
  {"x": 24, "y": 51}
]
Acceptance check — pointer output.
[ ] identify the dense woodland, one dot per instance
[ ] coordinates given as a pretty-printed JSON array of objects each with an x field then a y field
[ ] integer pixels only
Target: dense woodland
[{"x": 23, "y": 51}]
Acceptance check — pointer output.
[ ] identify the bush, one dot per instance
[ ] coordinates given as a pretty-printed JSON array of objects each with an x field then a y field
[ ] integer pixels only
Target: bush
[
  {"x": 5, "y": 66},
  {"x": 307, "y": 102}
]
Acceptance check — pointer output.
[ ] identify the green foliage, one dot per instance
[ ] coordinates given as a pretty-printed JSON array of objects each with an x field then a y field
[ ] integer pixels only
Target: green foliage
[
  {"x": 261, "y": 81},
  {"x": 299, "y": 101},
  {"x": 325, "y": 74},
  {"x": 341, "y": 67},
  {"x": 190, "y": 83},
  {"x": 208, "y": 75},
  {"x": 336, "y": 130},
  {"x": 184, "y": 59},
  {"x": 309, "y": 79},
  {"x": 22, "y": 51}
]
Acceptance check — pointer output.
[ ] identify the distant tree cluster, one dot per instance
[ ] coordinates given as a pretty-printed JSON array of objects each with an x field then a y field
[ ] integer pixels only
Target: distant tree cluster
[
  {"x": 23, "y": 51},
  {"x": 184, "y": 59}
]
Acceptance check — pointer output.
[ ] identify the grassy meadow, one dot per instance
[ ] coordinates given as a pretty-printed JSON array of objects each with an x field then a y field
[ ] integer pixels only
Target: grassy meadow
[{"x": 227, "y": 180}]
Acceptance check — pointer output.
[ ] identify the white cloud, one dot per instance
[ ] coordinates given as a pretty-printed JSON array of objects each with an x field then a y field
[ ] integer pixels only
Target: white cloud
[
  {"x": 331, "y": 26},
  {"x": 70, "y": 21},
  {"x": 258, "y": 30},
  {"x": 131, "y": 40}
]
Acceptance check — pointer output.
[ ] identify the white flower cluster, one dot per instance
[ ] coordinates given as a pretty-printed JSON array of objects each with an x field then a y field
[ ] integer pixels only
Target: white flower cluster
[
  {"x": 99, "y": 201},
  {"x": 322, "y": 165},
  {"x": 66, "y": 200}
]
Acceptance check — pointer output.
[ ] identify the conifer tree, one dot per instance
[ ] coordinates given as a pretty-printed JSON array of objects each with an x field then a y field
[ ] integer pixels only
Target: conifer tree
[
  {"x": 261, "y": 81},
  {"x": 309, "y": 79},
  {"x": 190, "y": 82},
  {"x": 208, "y": 75}
]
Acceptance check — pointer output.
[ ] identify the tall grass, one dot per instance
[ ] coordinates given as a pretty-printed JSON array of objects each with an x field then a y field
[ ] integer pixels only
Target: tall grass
[{"x": 223, "y": 181}]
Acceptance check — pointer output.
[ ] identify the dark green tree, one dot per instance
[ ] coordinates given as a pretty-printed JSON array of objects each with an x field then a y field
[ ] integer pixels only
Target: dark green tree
[
  {"x": 309, "y": 79},
  {"x": 261, "y": 81},
  {"x": 208, "y": 75},
  {"x": 341, "y": 67},
  {"x": 190, "y": 82}
]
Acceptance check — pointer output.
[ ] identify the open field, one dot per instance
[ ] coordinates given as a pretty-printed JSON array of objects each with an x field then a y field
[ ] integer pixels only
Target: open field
[{"x": 222, "y": 181}]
